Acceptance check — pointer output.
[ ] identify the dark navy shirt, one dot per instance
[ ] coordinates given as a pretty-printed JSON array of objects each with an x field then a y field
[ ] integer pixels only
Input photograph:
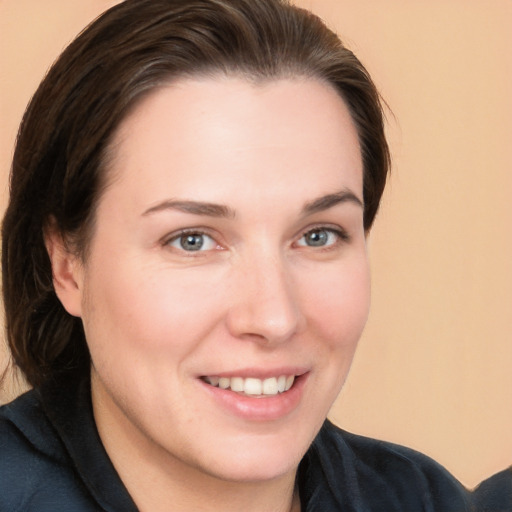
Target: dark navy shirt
[{"x": 52, "y": 460}]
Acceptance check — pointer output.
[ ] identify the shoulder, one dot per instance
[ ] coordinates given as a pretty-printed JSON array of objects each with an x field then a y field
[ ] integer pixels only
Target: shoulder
[
  {"x": 35, "y": 474},
  {"x": 383, "y": 476},
  {"x": 495, "y": 493},
  {"x": 376, "y": 457}
]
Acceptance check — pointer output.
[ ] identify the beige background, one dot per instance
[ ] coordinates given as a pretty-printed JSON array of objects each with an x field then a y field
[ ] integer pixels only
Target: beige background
[{"x": 434, "y": 366}]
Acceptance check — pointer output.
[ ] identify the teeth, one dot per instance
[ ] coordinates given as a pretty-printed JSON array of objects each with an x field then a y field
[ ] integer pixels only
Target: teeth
[
  {"x": 281, "y": 383},
  {"x": 224, "y": 383},
  {"x": 214, "y": 381},
  {"x": 270, "y": 386},
  {"x": 237, "y": 384},
  {"x": 252, "y": 386}
]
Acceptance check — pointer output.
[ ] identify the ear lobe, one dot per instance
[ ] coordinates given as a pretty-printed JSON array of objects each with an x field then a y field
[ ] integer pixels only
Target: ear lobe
[{"x": 67, "y": 271}]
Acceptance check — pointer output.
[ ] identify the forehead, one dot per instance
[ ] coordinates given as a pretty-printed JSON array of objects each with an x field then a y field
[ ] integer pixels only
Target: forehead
[{"x": 197, "y": 136}]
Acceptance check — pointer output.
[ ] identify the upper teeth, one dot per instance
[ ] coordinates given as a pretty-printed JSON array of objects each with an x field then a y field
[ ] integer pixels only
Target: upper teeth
[{"x": 252, "y": 386}]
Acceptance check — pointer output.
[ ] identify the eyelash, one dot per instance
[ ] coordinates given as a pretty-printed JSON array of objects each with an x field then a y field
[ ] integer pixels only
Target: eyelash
[
  {"x": 341, "y": 237},
  {"x": 189, "y": 232}
]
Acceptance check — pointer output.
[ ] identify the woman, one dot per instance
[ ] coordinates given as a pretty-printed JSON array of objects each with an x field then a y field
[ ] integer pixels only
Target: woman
[{"x": 185, "y": 270}]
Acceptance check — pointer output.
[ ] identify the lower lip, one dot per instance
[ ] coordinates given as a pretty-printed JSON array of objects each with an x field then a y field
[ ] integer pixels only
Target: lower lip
[{"x": 266, "y": 408}]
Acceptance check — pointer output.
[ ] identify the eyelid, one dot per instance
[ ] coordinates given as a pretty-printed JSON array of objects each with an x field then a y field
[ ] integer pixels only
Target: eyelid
[
  {"x": 168, "y": 239},
  {"x": 340, "y": 232}
]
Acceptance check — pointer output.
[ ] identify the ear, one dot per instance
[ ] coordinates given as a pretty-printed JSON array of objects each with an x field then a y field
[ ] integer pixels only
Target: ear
[{"x": 67, "y": 271}]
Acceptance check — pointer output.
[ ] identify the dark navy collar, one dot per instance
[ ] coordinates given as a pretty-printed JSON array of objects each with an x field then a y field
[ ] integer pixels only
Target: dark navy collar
[{"x": 67, "y": 405}]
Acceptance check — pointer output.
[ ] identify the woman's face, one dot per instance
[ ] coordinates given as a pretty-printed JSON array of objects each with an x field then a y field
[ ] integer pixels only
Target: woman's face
[{"x": 228, "y": 254}]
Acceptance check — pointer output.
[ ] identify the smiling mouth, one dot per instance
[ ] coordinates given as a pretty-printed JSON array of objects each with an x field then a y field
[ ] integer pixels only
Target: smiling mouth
[{"x": 251, "y": 386}]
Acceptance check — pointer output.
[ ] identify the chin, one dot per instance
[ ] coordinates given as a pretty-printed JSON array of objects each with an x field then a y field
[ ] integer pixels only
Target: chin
[
  {"x": 260, "y": 461},
  {"x": 256, "y": 470}
]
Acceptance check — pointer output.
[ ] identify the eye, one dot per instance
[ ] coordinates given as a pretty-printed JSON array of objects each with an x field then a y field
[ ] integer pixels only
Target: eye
[
  {"x": 321, "y": 237},
  {"x": 192, "y": 241}
]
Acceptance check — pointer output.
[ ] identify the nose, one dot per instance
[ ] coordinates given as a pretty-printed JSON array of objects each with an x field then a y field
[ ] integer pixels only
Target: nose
[{"x": 265, "y": 306}]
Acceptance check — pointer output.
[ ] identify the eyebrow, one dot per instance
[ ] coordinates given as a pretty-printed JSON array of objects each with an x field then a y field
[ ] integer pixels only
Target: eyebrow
[
  {"x": 194, "y": 207},
  {"x": 222, "y": 211},
  {"x": 328, "y": 201}
]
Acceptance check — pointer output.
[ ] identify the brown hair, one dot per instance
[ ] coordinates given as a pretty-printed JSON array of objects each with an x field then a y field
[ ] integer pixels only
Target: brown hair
[{"x": 63, "y": 140}]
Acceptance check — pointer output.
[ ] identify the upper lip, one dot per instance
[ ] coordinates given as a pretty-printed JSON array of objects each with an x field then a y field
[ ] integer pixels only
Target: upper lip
[{"x": 260, "y": 373}]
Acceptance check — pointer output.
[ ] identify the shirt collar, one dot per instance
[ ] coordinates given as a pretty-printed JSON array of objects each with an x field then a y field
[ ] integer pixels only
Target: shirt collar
[{"x": 67, "y": 404}]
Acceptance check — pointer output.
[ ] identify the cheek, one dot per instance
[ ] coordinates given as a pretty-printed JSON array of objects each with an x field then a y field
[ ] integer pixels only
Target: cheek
[
  {"x": 337, "y": 310},
  {"x": 339, "y": 304},
  {"x": 148, "y": 310}
]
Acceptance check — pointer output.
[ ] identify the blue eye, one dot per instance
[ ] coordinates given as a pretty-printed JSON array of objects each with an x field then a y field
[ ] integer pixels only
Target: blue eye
[
  {"x": 193, "y": 242},
  {"x": 321, "y": 237}
]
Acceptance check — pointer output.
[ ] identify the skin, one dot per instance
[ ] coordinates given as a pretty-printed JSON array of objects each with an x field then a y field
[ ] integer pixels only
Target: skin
[{"x": 257, "y": 297}]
